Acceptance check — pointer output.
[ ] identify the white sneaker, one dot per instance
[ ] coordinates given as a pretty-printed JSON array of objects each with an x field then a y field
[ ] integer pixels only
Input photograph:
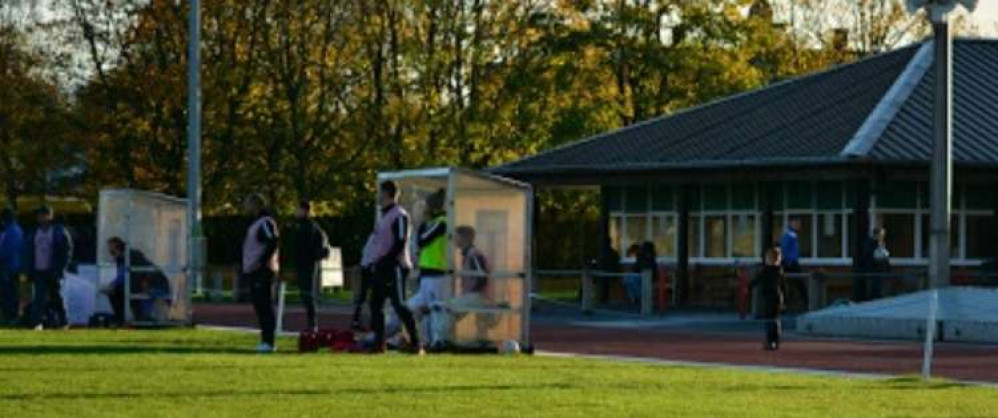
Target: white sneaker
[
  {"x": 265, "y": 348},
  {"x": 39, "y": 327}
]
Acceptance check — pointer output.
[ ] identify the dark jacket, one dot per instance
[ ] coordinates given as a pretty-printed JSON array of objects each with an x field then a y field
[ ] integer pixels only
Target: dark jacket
[
  {"x": 868, "y": 262},
  {"x": 141, "y": 280},
  {"x": 311, "y": 243},
  {"x": 11, "y": 248},
  {"x": 62, "y": 251},
  {"x": 772, "y": 285}
]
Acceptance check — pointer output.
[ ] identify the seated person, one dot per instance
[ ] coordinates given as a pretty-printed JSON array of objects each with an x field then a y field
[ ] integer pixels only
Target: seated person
[
  {"x": 474, "y": 288},
  {"x": 153, "y": 284}
]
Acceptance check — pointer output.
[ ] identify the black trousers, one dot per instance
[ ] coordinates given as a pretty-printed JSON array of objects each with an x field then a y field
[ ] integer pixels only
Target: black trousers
[
  {"x": 261, "y": 285},
  {"x": 359, "y": 298},
  {"x": 117, "y": 299},
  {"x": 774, "y": 328},
  {"x": 48, "y": 297},
  {"x": 307, "y": 278},
  {"x": 390, "y": 284}
]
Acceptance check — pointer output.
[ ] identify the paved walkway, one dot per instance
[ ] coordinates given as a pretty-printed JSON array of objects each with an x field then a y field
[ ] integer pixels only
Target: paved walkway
[{"x": 700, "y": 338}]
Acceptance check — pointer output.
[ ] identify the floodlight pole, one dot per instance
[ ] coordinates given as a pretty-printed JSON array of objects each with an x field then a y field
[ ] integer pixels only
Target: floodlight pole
[
  {"x": 194, "y": 144},
  {"x": 942, "y": 159}
]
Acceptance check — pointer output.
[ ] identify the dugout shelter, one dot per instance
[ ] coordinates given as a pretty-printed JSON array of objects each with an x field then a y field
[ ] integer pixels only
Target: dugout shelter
[{"x": 500, "y": 210}]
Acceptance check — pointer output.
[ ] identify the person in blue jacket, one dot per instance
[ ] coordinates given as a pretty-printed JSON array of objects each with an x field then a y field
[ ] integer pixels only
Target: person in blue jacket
[
  {"x": 47, "y": 254},
  {"x": 11, "y": 247}
]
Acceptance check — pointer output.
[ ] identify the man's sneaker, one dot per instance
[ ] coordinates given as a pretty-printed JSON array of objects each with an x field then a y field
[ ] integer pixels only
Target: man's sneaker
[
  {"x": 39, "y": 327},
  {"x": 265, "y": 348}
]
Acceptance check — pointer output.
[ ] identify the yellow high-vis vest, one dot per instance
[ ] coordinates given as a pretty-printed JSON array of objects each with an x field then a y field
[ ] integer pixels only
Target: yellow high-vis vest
[{"x": 434, "y": 255}]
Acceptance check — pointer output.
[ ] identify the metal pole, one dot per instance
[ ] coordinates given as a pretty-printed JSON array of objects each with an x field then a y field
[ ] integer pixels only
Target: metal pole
[
  {"x": 930, "y": 334},
  {"x": 942, "y": 161},
  {"x": 194, "y": 145}
]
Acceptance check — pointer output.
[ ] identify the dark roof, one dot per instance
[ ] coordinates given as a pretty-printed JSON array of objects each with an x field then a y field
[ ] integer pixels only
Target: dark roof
[
  {"x": 909, "y": 137},
  {"x": 877, "y": 109}
]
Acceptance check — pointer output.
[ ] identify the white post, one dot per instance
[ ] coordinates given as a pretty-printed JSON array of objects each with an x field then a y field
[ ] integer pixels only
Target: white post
[
  {"x": 930, "y": 334},
  {"x": 280, "y": 307}
]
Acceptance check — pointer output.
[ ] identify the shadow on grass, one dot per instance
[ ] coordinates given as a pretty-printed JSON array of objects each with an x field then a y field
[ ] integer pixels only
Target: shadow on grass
[
  {"x": 36, "y": 350},
  {"x": 916, "y": 383},
  {"x": 276, "y": 392}
]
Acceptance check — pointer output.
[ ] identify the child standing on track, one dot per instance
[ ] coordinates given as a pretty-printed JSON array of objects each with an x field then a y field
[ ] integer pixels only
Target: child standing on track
[{"x": 772, "y": 285}]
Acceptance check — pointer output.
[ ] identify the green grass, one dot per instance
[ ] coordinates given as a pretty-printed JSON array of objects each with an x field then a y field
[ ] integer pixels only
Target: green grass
[{"x": 201, "y": 373}]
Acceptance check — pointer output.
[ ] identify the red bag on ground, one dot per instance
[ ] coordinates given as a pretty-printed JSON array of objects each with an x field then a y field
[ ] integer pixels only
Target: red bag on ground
[
  {"x": 343, "y": 341},
  {"x": 308, "y": 342}
]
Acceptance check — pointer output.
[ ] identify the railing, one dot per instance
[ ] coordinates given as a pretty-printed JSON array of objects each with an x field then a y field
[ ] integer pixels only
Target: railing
[{"x": 647, "y": 286}]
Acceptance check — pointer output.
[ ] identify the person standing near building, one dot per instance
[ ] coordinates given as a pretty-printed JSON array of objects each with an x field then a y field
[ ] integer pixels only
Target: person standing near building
[
  {"x": 391, "y": 265},
  {"x": 874, "y": 262},
  {"x": 790, "y": 248},
  {"x": 11, "y": 247},
  {"x": 771, "y": 282},
  {"x": 260, "y": 266},
  {"x": 431, "y": 244},
  {"x": 48, "y": 253},
  {"x": 312, "y": 246}
]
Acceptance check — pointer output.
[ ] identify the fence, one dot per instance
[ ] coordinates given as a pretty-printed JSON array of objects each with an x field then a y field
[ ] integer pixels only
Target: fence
[
  {"x": 649, "y": 282},
  {"x": 658, "y": 290}
]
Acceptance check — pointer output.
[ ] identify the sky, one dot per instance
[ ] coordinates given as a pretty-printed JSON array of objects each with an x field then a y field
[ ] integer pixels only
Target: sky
[{"x": 987, "y": 16}]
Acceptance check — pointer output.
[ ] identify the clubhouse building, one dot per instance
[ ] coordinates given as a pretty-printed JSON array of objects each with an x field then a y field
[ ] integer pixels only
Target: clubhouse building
[{"x": 841, "y": 150}]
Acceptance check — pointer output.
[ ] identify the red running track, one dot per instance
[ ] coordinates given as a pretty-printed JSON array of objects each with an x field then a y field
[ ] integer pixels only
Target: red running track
[{"x": 954, "y": 361}]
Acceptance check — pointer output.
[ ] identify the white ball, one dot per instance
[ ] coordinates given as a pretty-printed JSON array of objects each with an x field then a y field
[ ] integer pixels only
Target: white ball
[{"x": 510, "y": 347}]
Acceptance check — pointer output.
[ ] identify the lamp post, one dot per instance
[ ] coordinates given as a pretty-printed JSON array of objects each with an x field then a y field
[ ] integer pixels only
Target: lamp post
[
  {"x": 942, "y": 161},
  {"x": 941, "y": 184},
  {"x": 194, "y": 244}
]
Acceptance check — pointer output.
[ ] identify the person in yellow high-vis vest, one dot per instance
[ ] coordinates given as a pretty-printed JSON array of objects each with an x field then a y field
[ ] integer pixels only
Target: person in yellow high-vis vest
[{"x": 431, "y": 244}]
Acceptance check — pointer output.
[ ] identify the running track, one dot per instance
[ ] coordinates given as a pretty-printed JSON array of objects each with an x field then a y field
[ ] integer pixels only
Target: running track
[{"x": 956, "y": 361}]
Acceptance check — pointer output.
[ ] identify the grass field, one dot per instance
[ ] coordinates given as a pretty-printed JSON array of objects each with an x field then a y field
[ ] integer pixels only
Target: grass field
[{"x": 201, "y": 373}]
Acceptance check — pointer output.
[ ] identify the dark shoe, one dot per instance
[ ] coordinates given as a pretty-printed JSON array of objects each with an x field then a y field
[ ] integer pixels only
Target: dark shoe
[
  {"x": 413, "y": 349},
  {"x": 437, "y": 347}
]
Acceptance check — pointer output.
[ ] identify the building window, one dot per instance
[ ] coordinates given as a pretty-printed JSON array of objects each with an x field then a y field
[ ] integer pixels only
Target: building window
[
  {"x": 743, "y": 236},
  {"x": 900, "y": 234},
  {"x": 980, "y": 237},
  {"x": 715, "y": 236},
  {"x": 637, "y": 231},
  {"x": 664, "y": 235},
  {"x": 804, "y": 236},
  {"x": 640, "y": 214},
  {"x": 831, "y": 233}
]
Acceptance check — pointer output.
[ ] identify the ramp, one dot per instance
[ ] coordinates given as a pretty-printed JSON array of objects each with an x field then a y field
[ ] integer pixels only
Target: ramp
[{"x": 966, "y": 314}]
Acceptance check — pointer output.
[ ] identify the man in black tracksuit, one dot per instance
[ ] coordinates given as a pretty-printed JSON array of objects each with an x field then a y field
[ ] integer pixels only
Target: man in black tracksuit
[
  {"x": 391, "y": 266},
  {"x": 312, "y": 246},
  {"x": 260, "y": 267}
]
